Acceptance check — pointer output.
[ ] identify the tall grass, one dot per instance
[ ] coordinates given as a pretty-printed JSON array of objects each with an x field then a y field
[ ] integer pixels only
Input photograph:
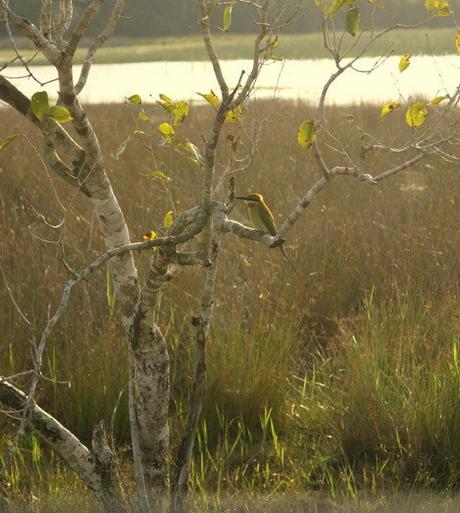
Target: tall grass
[
  {"x": 386, "y": 397},
  {"x": 343, "y": 378}
]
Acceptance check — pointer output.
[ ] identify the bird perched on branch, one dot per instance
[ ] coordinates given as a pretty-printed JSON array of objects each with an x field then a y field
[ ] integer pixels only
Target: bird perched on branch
[{"x": 260, "y": 215}]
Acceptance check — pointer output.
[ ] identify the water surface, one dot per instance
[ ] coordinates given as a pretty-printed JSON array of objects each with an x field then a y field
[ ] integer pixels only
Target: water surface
[{"x": 296, "y": 79}]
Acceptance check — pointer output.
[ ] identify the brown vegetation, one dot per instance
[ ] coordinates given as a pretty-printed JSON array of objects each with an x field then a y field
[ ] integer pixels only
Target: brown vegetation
[{"x": 397, "y": 242}]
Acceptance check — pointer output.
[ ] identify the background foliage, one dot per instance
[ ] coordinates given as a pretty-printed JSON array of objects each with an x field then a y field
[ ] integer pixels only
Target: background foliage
[{"x": 157, "y": 18}]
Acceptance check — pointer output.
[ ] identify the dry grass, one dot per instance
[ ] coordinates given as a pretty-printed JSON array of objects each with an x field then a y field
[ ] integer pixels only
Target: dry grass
[{"x": 407, "y": 503}]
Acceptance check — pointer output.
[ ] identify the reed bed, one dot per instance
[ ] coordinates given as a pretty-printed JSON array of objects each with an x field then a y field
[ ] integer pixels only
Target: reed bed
[{"x": 341, "y": 380}]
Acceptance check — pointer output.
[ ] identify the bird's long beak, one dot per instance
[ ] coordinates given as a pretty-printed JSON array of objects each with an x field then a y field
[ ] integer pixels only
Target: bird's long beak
[{"x": 245, "y": 198}]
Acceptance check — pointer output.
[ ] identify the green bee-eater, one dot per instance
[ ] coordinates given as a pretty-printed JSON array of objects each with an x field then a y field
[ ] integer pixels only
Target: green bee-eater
[{"x": 260, "y": 215}]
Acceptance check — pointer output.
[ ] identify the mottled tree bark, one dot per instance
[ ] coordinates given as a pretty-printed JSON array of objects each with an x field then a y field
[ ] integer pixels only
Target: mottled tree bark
[{"x": 95, "y": 467}]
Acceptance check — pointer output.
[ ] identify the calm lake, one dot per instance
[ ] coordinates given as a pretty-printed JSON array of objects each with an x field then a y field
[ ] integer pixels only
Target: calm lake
[{"x": 303, "y": 79}]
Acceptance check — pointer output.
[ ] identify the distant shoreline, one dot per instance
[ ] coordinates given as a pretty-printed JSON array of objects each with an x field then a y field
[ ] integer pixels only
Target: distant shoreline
[{"x": 291, "y": 46}]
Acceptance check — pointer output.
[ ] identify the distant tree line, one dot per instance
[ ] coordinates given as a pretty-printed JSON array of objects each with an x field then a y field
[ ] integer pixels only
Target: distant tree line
[{"x": 163, "y": 18}]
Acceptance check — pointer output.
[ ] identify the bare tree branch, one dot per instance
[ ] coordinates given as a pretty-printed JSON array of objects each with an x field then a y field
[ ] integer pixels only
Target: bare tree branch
[
  {"x": 98, "y": 43},
  {"x": 82, "y": 25},
  {"x": 29, "y": 30},
  {"x": 205, "y": 12}
]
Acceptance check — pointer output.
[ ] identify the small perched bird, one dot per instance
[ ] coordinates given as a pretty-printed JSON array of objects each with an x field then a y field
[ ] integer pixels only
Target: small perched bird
[{"x": 260, "y": 215}]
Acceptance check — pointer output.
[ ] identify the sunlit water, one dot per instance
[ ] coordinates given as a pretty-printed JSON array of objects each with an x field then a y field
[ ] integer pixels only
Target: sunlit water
[{"x": 301, "y": 79}]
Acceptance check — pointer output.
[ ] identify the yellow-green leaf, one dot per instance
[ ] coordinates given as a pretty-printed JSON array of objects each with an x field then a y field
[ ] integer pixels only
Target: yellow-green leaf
[
  {"x": 438, "y": 99},
  {"x": 388, "y": 108},
  {"x": 165, "y": 98},
  {"x": 404, "y": 62},
  {"x": 234, "y": 115},
  {"x": 143, "y": 115},
  {"x": 457, "y": 42},
  {"x": 135, "y": 99},
  {"x": 352, "y": 22},
  {"x": 8, "y": 140},
  {"x": 39, "y": 104},
  {"x": 350, "y": 118},
  {"x": 211, "y": 98},
  {"x": 337, "y": 5},
  {"x": 151, "y": 235},
  {"x": 227, "y": 22},
  {"x": 160, "y": 175},
  {"x": 180, "y": 112},
  {"x": 306, "y": 134},
  {"x": 416, "y": 114},
  {"x": 168, "y": 219},
  {"x": 167, "y": 133},
  {"x": 166, "y": 103},
  {"x": 440, "y": 7},
  {"x": 196, "y": 157},
  {"x": 60, "y": 114}
]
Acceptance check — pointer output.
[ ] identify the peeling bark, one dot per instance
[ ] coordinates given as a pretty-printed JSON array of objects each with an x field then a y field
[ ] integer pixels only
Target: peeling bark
[{"x": 151, "y": 387}]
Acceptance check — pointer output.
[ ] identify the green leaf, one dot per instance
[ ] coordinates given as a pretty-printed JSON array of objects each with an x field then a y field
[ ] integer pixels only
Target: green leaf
[
  {"x": 8, "y": 140},
  {"x": 160, "y": 175},
  {"x": 167, "y": 133},
  {"x": 273, "y": 45},
  {"x": 165, "y": 98},
  {"x": 143, "y": 115},
  {"x": 306, "y": 134},
  {"x": 404, "y": 62},
  {"x": 388, "y": 108},
  {"x": 337, "y": 5},
  {"x": 416, "y": 114},
  {"x": 441, "y": 7},
  {"x": 180, "y": 112},
  {"x": 211, "y": 98},
  {"x": 39, "y": 104},
  {"x": 60, "y": 114},
  {"x": 135, "y": 99},
  {"x": 196, "y": 157},
  {"x": 234, "y": 115},
  {"x": 168, "y": 219},
  {"x": 353, "y": 19},
  {"x": 227, "y": 17},
  {"x": 438, "y": 99},
  {"x": 166, "y": 103},
  {"x": 151, "y": 235}
]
